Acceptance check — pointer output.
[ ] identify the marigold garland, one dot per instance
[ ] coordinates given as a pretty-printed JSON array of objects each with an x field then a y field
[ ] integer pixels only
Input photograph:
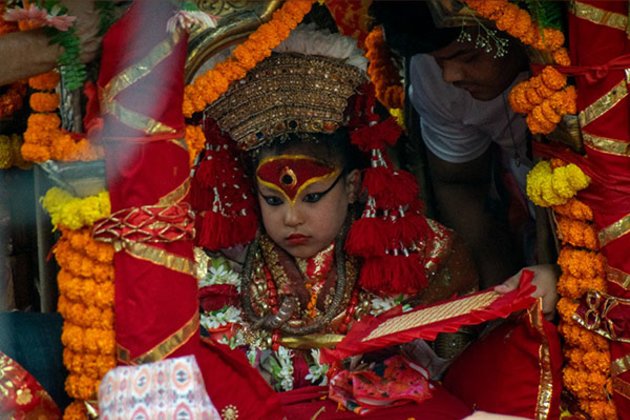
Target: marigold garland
[
  {"x": 544, "y": 103},
  {"x": 382, "y": 72},
  {"x": 86, "y": 294},
  {"x": 586, "y": 373},
  {"x": 209, "y": 86},
  {"x": 44, "y": 139}
]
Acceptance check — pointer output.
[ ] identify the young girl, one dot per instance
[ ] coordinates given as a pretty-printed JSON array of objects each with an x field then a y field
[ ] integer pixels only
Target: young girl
[{"x": 330, "y": 247}]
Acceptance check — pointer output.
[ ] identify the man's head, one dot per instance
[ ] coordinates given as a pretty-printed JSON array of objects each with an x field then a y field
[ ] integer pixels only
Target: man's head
[
  {"x": 409, "y": 30},
  {"x": 481, "y": 73}
]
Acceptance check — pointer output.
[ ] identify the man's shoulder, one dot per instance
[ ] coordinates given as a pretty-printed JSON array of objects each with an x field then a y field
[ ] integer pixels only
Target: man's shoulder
[{"x": 430, "y": 94}]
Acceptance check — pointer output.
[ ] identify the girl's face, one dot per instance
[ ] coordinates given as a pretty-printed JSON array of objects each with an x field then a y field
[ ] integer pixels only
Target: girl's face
[{"x": 303, "y": 201}]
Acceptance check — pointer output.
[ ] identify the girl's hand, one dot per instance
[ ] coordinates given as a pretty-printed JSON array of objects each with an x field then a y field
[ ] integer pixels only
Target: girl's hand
[{"x": 545, "y": 279}]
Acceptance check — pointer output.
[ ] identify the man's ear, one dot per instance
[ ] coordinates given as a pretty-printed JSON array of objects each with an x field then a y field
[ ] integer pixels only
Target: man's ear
[{"x": 353, "y": 185}]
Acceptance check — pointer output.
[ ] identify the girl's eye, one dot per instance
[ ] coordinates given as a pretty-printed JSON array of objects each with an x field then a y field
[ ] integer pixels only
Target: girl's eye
[
  {"x": 272, "y": 200},
  {"x": 313, "y": 197}
]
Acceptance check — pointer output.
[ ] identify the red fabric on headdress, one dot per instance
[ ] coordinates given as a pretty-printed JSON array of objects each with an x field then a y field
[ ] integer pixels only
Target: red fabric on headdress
[
  {"x": 156, "y": 294},
  {"x": 222, "y": 194},
  {"x": 290, "y": 175}
]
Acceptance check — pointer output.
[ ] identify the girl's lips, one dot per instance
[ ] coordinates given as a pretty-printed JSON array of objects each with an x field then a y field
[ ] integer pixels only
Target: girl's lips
[{"x": 297, "y": 239}]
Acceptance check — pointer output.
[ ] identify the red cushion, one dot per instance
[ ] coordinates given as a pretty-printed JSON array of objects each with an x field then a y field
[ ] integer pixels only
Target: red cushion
[{"x": 509, "y": 370}]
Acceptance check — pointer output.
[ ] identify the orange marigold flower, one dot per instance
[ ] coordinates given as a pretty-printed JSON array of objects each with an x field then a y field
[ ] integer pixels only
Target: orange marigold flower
[
  {"x": 538, "y": 124},
  {"x": 577, "y": 233},
  {"x": 552, "y": 78},
  {"x": 549, "y": 114},
  {"x": 561, "y": 57},
  {"x": 44, "y": 102},
  {"x": 45, "y": 81},
  {"x": 508, "y": 18},
  {"x": 35, "y": 152},
  {"x": 575, "y": 209},
  {"x": 522, "y": 26},
  {"x": 581, "y": 263},
  {"x": 75, "y": 411}
]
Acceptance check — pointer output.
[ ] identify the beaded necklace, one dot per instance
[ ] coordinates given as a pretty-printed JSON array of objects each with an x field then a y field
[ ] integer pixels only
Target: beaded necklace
[{"x": 281, "y": 312}]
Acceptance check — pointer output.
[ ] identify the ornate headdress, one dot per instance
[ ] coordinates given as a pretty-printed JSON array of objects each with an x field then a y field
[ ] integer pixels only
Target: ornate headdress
[
  {"x": 303, "y": 88},
  {"x": 315, "y": 82}
]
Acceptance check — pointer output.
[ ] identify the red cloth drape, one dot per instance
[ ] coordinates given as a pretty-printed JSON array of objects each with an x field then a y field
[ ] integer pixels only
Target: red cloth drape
[
  {"x": 594, "y": 43},
  {"x": 154, "y": 299}
]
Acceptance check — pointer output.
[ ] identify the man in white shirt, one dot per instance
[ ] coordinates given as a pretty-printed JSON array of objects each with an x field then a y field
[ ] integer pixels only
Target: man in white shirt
[{"x": 471, "y": 135}]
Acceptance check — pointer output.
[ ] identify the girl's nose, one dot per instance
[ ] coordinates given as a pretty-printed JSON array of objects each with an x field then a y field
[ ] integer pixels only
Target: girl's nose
[{"x": 293, "y": 216}]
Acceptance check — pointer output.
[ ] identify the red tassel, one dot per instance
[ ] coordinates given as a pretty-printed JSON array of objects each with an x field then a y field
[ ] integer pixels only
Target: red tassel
[
  {"x": 389, "y": 275},
  {"x": 376, "y": 182},
  {"x": 217, "y": 231},
  {"x": 410, "y": 229},
  {"x": 390, "y": 189},
  {"x": 211, "y": 231},
  {"x": 366, "y": 237},
  {"x": 377, "y": 136}
]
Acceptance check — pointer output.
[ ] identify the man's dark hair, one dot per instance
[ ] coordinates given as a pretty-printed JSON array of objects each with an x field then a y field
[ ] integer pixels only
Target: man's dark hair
[{"x": 409, "y": 27}]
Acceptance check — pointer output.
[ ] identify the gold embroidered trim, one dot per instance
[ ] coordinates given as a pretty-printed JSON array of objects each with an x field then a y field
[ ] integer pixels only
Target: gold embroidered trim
[
  {"x": 122, "y": 354},
  {"x": 140, "y": 69},
  {"x": 604, "y": 104},
  {"x": 614, "y": 231},
  {"x": 620, "y": 366},
  {"x": 606, "y": 145},
  {"x": 621, "y": 387},
  {"x": 545, "y": 382},
  {"x": 621, "y": 278},
  {"x": 599, "y": 16},
  {"x": 176, "y": 195},
  {"x": 595, "y": 318},
  {"x": 433, "y": 314},
  {"x": 136, "y": 120},
  {"x": 171, "y": 343},
  {"x": 180, "y": 143},
  {"x": 311, "y": 341},
  {"x": 160, "y": 257}
]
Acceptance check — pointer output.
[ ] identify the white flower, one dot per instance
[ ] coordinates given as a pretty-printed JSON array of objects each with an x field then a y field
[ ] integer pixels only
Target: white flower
[
  {"x": 380, "y": 305},
  {"x": 317, "y": 371},
  {"x": 285, "y": 375},
  {"x": 224, "y": 316},
  {"x": 236, "y": 340},
  {"x": 221, "y": 273}
]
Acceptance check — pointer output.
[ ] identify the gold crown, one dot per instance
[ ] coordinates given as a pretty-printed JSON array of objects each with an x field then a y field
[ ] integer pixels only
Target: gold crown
[{"x": 287, "y": 93}]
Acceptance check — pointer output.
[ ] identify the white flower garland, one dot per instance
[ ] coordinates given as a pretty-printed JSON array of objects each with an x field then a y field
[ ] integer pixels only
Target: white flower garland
[
  {"x": 220, "y": 318},
  {"x": 220, "y": 272},
  {"x": 317, "y": 371}
]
